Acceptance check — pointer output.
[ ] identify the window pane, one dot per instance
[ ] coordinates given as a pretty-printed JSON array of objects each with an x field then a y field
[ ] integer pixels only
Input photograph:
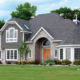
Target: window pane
[
  {"x": 11, "y": 54},
  {"x": 46, "y": 43},
  {"x": 11, "y": 33},
  {"x": 61, "y": 54},
  {"x": 15, "y": 54},
  {"x": 15, "y": 34},
  {"x": 8, "y": 54},
  {"x": 68, "y": 53},
  {"x": 77, "y": 53}
]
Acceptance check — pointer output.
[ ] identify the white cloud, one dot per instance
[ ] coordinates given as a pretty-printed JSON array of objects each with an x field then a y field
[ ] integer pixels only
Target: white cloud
[
  {"x": 2, "y": 1},
  {"x": 63, "y": 2}
]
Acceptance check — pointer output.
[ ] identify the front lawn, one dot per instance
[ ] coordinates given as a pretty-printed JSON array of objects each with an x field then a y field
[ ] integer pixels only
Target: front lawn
[{"x": 19, "y": 72}]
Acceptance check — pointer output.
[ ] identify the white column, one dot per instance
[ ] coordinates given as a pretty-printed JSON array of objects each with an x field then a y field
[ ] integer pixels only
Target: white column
[
  {"x": 72, "y": 54},
  {"x": 64, "y": 53}
]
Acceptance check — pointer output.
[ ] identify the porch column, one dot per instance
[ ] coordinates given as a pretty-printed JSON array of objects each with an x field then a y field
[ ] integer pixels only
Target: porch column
[
  {"x": 72, "y": 54},
  {"x": 64, "y": 53}
]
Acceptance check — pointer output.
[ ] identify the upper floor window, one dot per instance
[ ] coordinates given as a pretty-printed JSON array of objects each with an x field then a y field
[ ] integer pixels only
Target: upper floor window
[{"x": 11, "y": 35}]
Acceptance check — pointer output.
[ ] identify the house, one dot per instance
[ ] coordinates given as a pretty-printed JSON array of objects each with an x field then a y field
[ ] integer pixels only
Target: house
[{"x": 48, "y": 36}]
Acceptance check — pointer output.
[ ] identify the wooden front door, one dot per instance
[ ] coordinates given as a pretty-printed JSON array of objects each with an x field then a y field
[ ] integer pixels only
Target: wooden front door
[{"x": 46, "y": 53}]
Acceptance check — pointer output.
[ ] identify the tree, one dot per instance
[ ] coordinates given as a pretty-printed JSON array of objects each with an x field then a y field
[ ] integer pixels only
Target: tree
[
  {"x": 25, "y": 11},
  {"x": 23, "y": 50},
  {"x": 67, "y": 13},
  {"x": 2, "y": 22}
]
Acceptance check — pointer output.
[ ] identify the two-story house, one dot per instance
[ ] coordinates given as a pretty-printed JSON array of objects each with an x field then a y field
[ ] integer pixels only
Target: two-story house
[{"x": 48, "y": 36}]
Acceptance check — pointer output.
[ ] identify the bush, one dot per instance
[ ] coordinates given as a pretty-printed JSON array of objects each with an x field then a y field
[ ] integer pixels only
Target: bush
[
  {"x": 57, "y": 61},
  {"x": 52, "y": 63},
  {"x": 37, "y": 62},
  {"x": 0, "y": 62},
  {"x": 66, "y": 62},
  {"x": 77, "y": 62},
  {"x": 31, "y": 62},
  {"x": 41, "y": 63},
  {"x": 24, "y": 62},
  {"x": 8, "y": 62},
  {"x": 21, "y": 62}
]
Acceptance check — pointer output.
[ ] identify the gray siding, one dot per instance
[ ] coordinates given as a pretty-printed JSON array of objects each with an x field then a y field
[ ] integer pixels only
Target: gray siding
[{"x": 14, "y": 45}]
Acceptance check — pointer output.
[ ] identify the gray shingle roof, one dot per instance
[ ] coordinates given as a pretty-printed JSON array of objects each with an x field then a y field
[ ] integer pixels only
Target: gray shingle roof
[
  {"x": 58, "y": 28},
  {"x": 22, "y": 23}
]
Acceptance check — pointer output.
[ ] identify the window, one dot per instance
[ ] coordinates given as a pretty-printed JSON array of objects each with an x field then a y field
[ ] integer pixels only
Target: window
[
  {"x": 11, "y": 35},
  {"x": 55, "y": 53},
  {"x": 68, "y": 55},
  {"x": 30, "y": 55},
  {"x": 61, "y": 54},
  {"x": 11, "y": 54},
  {"x": 46, "y": 43},
  {"x": 77, "y": 54}
]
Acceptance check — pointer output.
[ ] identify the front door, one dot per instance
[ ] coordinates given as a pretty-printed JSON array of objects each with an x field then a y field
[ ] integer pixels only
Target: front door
[{"x": 46, "y": 53}]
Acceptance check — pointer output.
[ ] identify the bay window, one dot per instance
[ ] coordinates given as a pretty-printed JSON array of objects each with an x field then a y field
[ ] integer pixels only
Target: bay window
[
  {"x": 61, "y": 54},
  {"x": 77, "y": 54},
  {"x": 11, "y": 54},
  {"x": 11, "y": 35}
]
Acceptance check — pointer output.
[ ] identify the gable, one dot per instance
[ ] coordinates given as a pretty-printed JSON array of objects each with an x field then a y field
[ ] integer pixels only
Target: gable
[
  {"x": 11, "y": 23},
  {"x": 42, "y": 33}
]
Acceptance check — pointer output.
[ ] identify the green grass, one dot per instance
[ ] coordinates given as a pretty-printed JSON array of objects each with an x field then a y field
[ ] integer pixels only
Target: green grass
[{"x": 19, "y": 72}]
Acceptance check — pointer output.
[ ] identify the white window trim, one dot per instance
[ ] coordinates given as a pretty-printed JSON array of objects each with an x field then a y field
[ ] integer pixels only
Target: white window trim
[
  {"x": 29, "y": 53},
  {"x": 10, "y": 54},
  {"x": 55, "y": 54},
  {"x": 1, "y": 54},
  {"x": 14, "y": 39}
]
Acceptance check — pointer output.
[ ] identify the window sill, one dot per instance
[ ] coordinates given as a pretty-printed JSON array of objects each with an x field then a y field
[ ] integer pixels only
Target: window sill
[{"x": 11, "y": 59}]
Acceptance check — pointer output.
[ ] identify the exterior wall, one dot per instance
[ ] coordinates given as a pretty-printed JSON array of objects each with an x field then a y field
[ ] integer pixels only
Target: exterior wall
[
  {"x": 31, "y": 46},
  {"x": 72, "y": 52},
  {"x": 12, "y": 45},
  {"x": 42, "y": 34}
]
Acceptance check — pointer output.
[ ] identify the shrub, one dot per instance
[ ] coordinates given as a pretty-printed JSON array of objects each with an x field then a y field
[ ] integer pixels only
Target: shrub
[
  {"x": 8, "y": 62},
  {"x": 66, "y": 62},
  {"x": 37, "y": 62},
  {"x": 77, "y": 62},
  {"x": 52, "y": 63},
  {"x": 57, "y": 61},
  {"x": 31, "y": 62},
  {"x": 0, "y": 62},
  {"x": 23, "y": 62},
  {"x": 18, "y": 62},
  {"x": 41, "y": 63}
]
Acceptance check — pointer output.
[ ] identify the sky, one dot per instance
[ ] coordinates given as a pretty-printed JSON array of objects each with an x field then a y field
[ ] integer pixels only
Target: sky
[{"x": 43, "y": 6}]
